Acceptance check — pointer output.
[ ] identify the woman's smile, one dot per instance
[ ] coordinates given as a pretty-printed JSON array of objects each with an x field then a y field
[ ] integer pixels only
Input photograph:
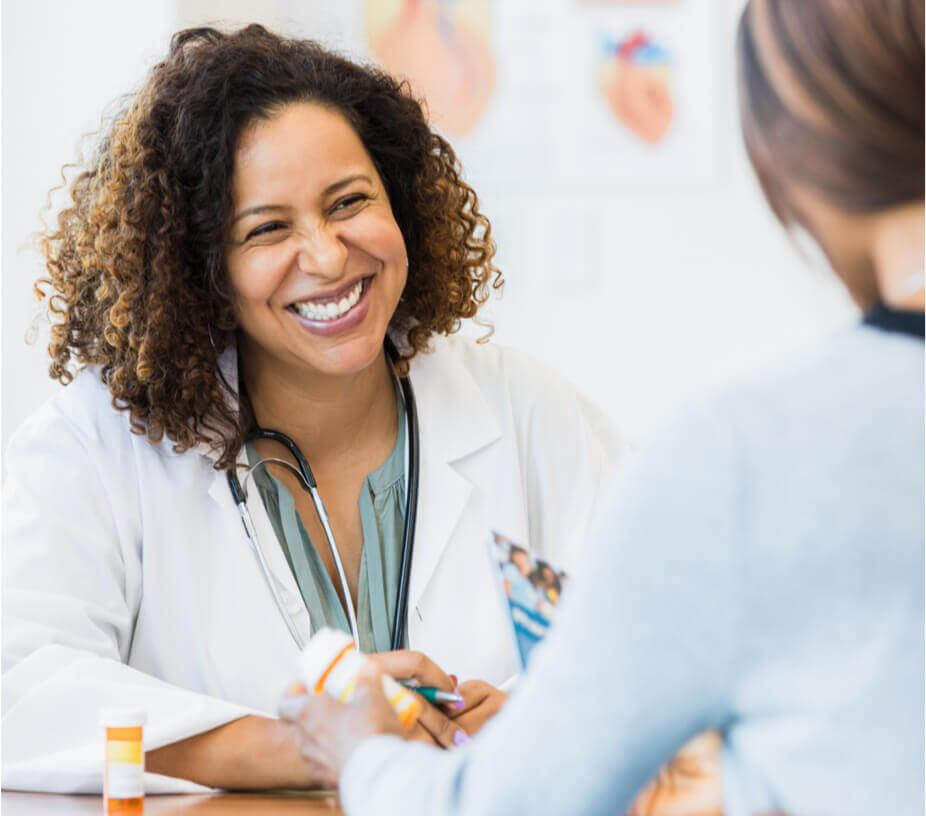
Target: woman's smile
[{"x": 335, "y": 312}]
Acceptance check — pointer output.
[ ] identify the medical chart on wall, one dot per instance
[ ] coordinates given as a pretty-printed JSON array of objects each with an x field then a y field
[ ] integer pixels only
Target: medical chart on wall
[{"x": 549, "y": 94}]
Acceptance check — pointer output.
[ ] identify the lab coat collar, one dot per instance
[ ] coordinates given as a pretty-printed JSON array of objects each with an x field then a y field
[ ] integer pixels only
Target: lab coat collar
[
  {"x": 454, "y": 416},
  {"x": 447, "y": 397},
  {"x": 227, "y": 367}
]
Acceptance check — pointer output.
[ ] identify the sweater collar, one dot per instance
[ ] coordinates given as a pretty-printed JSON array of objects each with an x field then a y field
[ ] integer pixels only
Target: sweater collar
[{"x": 887, "y": 319}]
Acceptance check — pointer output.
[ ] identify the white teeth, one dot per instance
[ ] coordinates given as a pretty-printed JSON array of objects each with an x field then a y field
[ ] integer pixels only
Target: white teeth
[{"x": 332, "y": 309}]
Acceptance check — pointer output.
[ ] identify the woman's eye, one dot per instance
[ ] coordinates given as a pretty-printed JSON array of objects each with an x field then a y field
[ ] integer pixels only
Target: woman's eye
[
  {"x": 350, "y": 201},
  {"x": 264, "y": 229}
]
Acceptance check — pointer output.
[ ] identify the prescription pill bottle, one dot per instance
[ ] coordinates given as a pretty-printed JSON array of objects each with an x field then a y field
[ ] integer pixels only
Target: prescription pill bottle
[
  {"x": 330, "y": 663},
  {"x": 124, "y": 774}
]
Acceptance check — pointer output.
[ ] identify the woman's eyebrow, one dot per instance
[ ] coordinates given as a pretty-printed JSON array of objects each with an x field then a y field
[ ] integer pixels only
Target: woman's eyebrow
[
  {"x": 260, "y": 208},
  {"x": 333, "y": 188}
]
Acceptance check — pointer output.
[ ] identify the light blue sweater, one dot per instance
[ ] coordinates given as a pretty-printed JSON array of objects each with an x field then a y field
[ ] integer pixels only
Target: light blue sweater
[{"x": 760, "y": 570}]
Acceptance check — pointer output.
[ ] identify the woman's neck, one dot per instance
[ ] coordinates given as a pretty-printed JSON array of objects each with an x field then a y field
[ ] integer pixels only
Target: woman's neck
[
  {"x": 325, "y": 415},
  {"x": 897, "y": 255}
]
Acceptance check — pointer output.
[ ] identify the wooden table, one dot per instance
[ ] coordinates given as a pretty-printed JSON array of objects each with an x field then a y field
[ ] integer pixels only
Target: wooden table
[{"x": 13, "y": 803}]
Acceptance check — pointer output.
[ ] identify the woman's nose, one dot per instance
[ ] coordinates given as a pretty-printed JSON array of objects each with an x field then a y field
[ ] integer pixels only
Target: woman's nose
[{"x": 321, "y": 253}]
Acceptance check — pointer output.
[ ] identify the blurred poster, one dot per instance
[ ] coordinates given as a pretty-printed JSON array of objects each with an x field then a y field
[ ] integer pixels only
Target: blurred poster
[
  {"x": 636, "y": 84},
  {"x": 626, "y": 2},
  {"x": 553, "y": 95},
  {"x": 442, "y": 47}
]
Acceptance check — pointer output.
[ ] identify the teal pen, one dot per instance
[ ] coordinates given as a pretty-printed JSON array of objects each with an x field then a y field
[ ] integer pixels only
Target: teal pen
[{"x": 434, "y": 695}]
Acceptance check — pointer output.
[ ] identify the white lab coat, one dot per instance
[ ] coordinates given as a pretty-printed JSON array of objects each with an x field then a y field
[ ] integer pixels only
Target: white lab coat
[{"x": 128, "y": 578}]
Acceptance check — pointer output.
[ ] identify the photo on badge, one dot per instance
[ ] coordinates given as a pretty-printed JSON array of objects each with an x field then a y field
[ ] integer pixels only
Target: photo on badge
[{"x": 530, "y": 589}]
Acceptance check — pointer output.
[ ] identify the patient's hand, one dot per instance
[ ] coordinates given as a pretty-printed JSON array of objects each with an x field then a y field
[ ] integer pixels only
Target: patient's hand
[
  {"x": 688, "y": 785},
  {"x": 328, "y": 732}
]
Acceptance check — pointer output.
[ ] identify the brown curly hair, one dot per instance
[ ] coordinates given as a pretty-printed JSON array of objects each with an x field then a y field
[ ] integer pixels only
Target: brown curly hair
[{"x": 136, "y": 282}]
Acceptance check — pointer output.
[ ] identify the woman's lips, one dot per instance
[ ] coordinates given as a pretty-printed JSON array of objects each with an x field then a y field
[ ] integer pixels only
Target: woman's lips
[{"x": 354, "y": 315}]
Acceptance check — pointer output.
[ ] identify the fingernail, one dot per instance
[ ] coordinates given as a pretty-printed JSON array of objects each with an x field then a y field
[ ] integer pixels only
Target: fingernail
[
  {"x": 460, "y": 738},
  {"x": 453, "y": 679},
  {"x": 459, "y": 703},
  {"x": 290, "y": 707}
]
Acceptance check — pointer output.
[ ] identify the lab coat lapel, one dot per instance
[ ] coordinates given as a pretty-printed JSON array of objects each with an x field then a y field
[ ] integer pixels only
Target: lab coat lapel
[
  {"x": 274, "y": 556},
  {"x": 439, "y": 511},
  {"x": 271, "y": 549},
  {"x": 455, "y": 421}
]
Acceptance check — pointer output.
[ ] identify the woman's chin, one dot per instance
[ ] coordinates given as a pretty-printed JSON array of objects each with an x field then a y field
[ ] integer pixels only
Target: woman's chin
[{"x": 347, "y": 357}]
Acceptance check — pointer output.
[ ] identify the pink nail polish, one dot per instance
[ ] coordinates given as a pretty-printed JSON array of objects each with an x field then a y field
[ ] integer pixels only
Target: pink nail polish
[
  {"x": 453, "y": 679},
  {"x": 460, "y": 738}
]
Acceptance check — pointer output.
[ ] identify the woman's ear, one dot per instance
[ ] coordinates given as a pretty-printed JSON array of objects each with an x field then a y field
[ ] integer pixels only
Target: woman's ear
[{"x": 898, "y": 247}]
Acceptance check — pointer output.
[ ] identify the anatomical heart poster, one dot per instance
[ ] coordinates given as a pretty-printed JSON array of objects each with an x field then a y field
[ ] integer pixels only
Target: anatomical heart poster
[{"x": 551, "y": 94}]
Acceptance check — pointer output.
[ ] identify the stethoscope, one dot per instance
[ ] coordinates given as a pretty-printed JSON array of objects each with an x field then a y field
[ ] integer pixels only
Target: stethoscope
[{"x": 307, "y": 480}]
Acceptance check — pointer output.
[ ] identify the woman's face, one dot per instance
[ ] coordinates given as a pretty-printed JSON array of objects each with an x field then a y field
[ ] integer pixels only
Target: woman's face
[{"x": 314, "y": 254}]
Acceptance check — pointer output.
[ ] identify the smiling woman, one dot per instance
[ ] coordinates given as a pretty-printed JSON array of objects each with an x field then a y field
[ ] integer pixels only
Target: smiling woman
[
  {"x": 261, "y": 222},
  {"x": 159, "y": 196},
  {"x": 315, "y": 256}
]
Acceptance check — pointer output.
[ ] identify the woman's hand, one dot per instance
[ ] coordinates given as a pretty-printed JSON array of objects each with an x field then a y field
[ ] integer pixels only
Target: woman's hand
[
  {"x": 435, "y": 725},
  {"x": 481, "y": 702},
  {"x": 328, "y": 731}
]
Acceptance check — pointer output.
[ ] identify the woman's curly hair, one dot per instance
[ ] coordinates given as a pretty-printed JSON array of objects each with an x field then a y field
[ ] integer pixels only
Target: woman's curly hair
[{"x": 136, "y": 277}]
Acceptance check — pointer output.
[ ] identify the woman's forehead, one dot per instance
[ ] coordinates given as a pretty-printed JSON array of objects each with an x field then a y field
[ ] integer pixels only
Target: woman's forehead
[{"x": 304, "y": 141}]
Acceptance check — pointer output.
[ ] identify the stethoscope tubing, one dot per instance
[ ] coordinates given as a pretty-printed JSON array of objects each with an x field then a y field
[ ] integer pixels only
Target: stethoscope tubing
[
  {"x": 411, "y": 513},
  {"x": 308, "y": 479}
]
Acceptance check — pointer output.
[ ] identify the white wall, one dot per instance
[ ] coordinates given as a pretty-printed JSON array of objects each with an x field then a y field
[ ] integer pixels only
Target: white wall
[
  {"x": 662, "y": 293},
  {"x": 63, "y": 63}
]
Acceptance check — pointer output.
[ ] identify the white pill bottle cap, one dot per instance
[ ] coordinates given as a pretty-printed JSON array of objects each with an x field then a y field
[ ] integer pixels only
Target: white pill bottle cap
[
  {"x": 319, "y": 653},
  {"x": 112, "y": 717}
]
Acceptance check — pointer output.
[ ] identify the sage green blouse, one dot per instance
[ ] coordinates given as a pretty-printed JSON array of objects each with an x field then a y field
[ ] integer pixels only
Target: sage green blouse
[{"x": 382, "y": 516}]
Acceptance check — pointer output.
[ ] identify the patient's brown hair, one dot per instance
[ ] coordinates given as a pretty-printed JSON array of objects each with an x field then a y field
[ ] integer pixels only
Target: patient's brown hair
[{"x": 831, "y": 98}]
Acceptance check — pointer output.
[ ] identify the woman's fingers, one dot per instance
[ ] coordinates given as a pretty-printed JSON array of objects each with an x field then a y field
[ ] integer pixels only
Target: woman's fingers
[
  {"x": 406, "y": 664},
  {"x": 433, "y": 721},
  {"x": 474, "y": 693},
  {"x": 482, "y": 703},
  {"x": 417, "y": 733},
  {"x": 444, "y": 731}
]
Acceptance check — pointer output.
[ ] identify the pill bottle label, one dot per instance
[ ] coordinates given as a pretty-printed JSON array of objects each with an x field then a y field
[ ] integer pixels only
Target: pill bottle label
[{"x": 125, "y": 781}]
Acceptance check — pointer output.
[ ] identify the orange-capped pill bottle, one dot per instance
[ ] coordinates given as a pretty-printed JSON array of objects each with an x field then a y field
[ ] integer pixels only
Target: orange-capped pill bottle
[
  {"x": 329, "y": 663},
  {"x": 124, "y": 775}
]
